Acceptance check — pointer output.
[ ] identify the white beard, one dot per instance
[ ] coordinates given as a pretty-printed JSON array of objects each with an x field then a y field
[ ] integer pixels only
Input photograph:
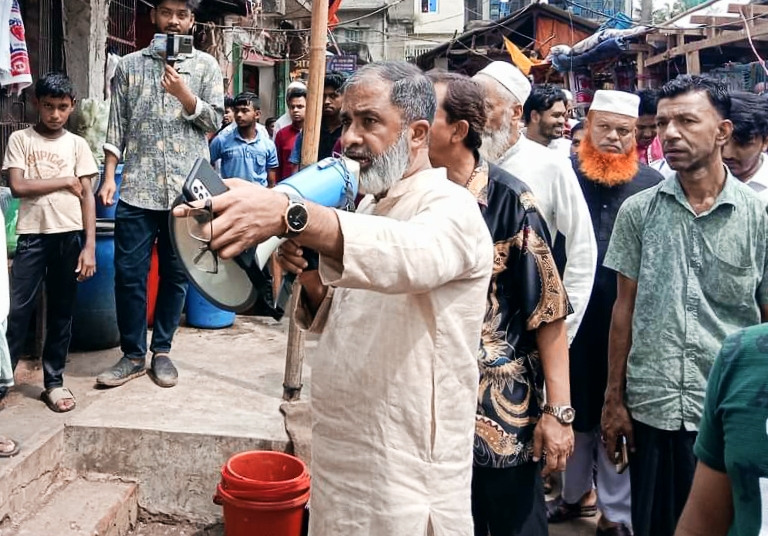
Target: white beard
[
  {"x": 387, "y": 168},
  {"x": 496, "y": 142}
]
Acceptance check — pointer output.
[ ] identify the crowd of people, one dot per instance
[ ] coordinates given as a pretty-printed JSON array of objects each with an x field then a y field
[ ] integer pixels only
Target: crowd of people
[{"x": 582, "y": 297}]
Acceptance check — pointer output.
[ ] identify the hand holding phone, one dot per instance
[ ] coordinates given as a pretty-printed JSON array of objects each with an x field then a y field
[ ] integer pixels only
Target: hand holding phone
[{"x": 621, "y": 456}]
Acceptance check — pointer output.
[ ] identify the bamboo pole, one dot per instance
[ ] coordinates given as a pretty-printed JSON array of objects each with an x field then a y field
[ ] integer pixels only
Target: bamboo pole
[{"x": 294, "y": 359}]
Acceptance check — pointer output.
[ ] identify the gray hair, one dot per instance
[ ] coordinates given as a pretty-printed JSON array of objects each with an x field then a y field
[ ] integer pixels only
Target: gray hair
[{"x": 412, "y": 91}]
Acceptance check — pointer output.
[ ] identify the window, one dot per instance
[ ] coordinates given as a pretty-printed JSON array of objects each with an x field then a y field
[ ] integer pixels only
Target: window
[
  {"x": 353, "y": 36},
  {"x": 121, "y": 36},
  {"x": 429, "y": 6}
]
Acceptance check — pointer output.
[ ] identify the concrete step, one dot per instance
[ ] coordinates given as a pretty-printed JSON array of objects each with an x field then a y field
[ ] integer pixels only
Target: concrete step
[{"x": 84, "y": 508}]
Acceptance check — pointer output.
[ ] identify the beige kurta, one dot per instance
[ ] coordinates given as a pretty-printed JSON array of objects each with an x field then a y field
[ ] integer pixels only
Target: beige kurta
[{"x": 394, "y": 379}]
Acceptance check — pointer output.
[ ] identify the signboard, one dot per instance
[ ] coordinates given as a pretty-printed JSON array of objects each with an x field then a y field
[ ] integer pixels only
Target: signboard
[{"x": 344, "y": 64}]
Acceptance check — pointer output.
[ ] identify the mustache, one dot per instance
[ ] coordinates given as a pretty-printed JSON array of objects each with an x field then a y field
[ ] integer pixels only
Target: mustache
[{"x": 359, "y": 154}]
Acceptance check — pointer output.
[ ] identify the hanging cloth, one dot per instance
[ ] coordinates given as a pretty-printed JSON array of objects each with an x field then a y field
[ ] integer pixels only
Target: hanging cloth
[{"x": 14, "y": 58}]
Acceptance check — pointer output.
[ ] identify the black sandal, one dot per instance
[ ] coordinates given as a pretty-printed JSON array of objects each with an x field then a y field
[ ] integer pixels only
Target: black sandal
[{"x": 559, "y": 511}]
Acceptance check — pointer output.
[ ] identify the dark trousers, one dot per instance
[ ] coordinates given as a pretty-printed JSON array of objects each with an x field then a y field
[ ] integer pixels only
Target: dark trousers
[
  {"x": 135, "y": 232},
  {"x": 52, "y": 257},
  {"x": 662, "y": 468},
  {"x": 509, "y": 502}
]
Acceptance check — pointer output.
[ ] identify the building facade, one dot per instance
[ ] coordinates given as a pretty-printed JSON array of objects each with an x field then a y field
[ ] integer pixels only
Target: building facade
[{"x": 378, "y": 30}]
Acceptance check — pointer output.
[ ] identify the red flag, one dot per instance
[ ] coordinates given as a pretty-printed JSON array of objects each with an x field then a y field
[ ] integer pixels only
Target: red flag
[{"x": 333, "y": 7}]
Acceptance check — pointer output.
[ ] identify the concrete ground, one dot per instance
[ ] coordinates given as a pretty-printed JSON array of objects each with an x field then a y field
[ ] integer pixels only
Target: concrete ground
[
  {"x": 230, "y": 381},
  {"x": 230, "y": 385}
]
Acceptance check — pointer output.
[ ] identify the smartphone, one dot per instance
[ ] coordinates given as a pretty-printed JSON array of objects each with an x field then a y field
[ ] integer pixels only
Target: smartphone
[
  {"x": 202, "y": 182},
  {"x": 621, "y": 456}
]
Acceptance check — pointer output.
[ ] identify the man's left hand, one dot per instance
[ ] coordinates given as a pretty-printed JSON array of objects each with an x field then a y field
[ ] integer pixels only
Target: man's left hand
[
  {"x": 174, "y": 84},
  {"x": 86, "y": 264},
  {"x": 556, "y": 440},
  {"x": 245, "y": 216}
]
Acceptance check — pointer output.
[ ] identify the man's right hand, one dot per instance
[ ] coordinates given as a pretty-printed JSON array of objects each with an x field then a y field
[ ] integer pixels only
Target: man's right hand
[
  {"x": 75, "y": 187},
  {"x": 615, "y": 422},
  {"x": 107, "y": 191},
  {"x": 291, "y": 257}
]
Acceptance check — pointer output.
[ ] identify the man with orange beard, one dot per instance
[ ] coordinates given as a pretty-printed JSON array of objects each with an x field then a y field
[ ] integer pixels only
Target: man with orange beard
[{"x": 609, "y": 171}]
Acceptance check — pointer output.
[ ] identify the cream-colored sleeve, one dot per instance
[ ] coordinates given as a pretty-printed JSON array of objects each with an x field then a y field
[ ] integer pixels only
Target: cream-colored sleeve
[
  {"x": 440, "y": 243},
  {"x": 314, "y": 323},
  {"x": 15, "y": 153},
  {"x": 85, "y": 163}
]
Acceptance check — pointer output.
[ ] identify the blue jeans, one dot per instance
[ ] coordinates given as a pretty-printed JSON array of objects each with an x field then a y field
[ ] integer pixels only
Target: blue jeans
[{"x": 135, "y": 232}]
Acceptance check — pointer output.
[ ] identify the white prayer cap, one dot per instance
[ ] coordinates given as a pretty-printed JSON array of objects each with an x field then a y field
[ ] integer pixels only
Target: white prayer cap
[
  {"x": 296, "y": 84},
  {"x": 568, "y": 94},
  {"x": 617, "y": 102},
  {"x": 511, "y": 78}
]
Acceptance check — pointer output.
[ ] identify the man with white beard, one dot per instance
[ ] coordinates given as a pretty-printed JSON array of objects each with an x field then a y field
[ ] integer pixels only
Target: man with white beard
[
  {"x": 551, "y": 179},
  {"x": 400, "y": 299}
]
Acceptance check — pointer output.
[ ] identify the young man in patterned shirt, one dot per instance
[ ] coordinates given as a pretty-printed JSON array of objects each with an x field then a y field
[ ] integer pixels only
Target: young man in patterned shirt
[{"x": 158, "y": 123}]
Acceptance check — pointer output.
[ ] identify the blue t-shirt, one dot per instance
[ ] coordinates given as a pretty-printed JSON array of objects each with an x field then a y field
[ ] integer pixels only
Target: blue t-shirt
[{"x": 248, "y": 160}]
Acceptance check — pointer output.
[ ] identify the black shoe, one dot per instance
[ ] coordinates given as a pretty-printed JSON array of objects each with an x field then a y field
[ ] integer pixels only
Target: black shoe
[
  {"x": 163, "y": 372},
  {"x": 122, "y": 372},
  {"x": 559, "y": 511},
  {"x": 617, "y": 530}
]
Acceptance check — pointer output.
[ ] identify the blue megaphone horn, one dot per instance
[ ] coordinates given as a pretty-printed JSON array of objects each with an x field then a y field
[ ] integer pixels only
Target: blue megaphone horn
[
  {"x": 243, "y": 284},
  {"x": 331, "y": 182}
]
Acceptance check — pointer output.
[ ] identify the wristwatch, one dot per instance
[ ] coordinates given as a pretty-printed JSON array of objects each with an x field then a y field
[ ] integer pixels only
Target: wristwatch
[
  {"x": 296, "y": 216},
  {"x": 564, "y": 414}
]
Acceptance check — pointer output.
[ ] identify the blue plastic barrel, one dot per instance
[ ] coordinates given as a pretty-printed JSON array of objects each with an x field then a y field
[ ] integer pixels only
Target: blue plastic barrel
[
  {"x": 203, "y": 314},
  {"x": 103, "y": 212},
  {"x": 94, "y": 321}
]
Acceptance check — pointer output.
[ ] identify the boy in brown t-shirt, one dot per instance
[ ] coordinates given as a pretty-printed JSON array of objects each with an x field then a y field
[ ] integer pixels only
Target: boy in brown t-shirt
[{"x": 51, "y": 170}]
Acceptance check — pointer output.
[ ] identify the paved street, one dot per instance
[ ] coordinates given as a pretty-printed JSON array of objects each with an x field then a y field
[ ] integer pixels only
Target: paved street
[{"x": 230, "y": 385}]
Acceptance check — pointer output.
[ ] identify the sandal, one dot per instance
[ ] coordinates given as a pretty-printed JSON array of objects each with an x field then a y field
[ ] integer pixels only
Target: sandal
[
  {"x": 52, "y": 397},
  {"x": 8, "y": 447},
  {"x": 559, "y": 511}
]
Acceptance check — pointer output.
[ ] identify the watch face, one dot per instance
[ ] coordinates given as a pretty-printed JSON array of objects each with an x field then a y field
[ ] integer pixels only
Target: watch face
[
  {"x": 297, "y": 218},
  {"x": 568, "y": 414}
]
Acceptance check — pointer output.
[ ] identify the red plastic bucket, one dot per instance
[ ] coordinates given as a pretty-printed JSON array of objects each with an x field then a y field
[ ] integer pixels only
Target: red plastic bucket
[
  {"x": 265, "y": 475},
  {"x": 251, "y": 518},
  {"x": 153, "y": 285}
]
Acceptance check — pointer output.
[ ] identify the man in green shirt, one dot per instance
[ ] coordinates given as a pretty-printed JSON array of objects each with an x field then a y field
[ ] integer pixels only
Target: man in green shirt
[
  {"x": 690, "y": 255},
  {"x": 730, "y": 488}
]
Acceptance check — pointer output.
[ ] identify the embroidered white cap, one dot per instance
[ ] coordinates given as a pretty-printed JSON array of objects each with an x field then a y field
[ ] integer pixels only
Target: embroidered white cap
[
  {"x": 510, "y": 77},
  {"x": 617, "y": 102},
  {"x": 568, "y": 94},
  {"x": 296, "y": 84}
]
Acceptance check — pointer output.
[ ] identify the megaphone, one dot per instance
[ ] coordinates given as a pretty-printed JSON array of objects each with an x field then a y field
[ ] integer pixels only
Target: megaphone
[
  {"x": 332, "y": 182},
  {"x": 240, "y": 283}
]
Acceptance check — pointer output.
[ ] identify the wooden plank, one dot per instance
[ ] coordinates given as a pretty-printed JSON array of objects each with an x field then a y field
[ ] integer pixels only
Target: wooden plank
[
  {"x": 641, "y": 82},
  {"x": 692, "y": 62},
  {"x": 725, "y": 38},
  {"x": 756, "y": 9},
  {"x": 640, "y": 47},
  {"x": 719, "y": 22}
]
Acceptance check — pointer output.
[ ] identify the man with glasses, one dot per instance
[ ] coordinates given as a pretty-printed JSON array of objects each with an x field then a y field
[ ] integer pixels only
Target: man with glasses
[{"x": 158, "y": 123}]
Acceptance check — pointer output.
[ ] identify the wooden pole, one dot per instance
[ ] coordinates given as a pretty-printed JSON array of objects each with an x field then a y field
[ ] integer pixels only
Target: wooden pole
[
  {"x": 294, "y": 356},
  {"x": 294, "y": 360}
]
